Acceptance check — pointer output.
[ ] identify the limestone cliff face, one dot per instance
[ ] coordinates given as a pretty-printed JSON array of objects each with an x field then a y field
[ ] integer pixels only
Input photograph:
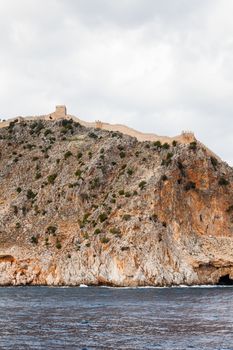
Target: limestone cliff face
[{"x": 81, "y": 205}]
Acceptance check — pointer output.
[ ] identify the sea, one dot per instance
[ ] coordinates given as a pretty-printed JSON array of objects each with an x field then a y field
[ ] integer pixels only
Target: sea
[{"x": 116, "y": 318}]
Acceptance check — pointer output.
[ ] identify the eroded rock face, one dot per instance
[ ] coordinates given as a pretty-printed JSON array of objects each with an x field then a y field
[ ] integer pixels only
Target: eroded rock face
[{"x": 88, "y": 206}]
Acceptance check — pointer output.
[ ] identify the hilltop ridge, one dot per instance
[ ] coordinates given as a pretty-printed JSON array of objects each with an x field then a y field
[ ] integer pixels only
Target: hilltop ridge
[{"x": 61, "y": 113}]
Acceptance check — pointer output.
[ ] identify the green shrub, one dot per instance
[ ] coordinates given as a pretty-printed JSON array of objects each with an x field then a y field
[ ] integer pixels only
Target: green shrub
[
  {"x": 95, "y": 183},
  {"x": 67, "y": 154},
  {"x": 58, "y": 244},
  {"x": 157, "y": 144},
  {"x": 31, "y": 194},
  {"x": 122, "y": 154},
  {"x": 78, "y": 173},
  {"x": 130, "y": 172},
  {"x": 104, "y": 240},
  {"x": 214, "y": 162},
  {"x": 126, "y": 217},
  {"x": 17, "y": 225},
  {"x": 79, "y": 155},
  {"x": 103, "y": 217},
  {"x": 142, "y": 185},
  {"x": 19, "y": 189},
  {"x": 24, "y": 210},
  {"x": 223, "y": 182},
  {"x": 67, "y": 123},
  {"x": 97, "y": 231},
  {"x": 36, "y": 127},
  {"x": 93, "y": 135},
  {"x": 127, "y": 194},
  {"x": 35, "y": 159},
  {"x": 169, "y": 155},
  {"x": 34, "y": 240},
  {"x": 121, "y": 192},
  {"x": 38, "y": 176},
  {"x": 115, "y": 231},
  {"x": 51, "y": 178},
  {"x": 85, "y": 218},
  {"x": 165, "y": 146},
  {"x": 174, "y": 143},
  {"x": 47, "y": 132},
  {"x": 193, "y": 145}
]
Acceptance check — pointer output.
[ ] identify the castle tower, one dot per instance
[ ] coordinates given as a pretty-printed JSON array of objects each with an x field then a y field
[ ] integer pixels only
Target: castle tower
[
  {"x": 60, "y": 112},
  {"x": 98, "y": 124}
]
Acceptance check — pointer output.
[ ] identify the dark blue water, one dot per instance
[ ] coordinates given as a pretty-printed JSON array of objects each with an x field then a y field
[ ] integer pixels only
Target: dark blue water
[{"x": 103, "y": 318}]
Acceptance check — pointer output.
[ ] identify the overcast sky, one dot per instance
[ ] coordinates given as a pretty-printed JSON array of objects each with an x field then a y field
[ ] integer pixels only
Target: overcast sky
[{"x": 159, "y": 66}]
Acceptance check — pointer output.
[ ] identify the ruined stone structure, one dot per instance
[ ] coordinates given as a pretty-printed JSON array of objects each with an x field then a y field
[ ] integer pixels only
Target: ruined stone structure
[
  {"x": 60, "y": 113},
  {"x": 98, "y": 124},
  {"x": 188, "y": 136}
]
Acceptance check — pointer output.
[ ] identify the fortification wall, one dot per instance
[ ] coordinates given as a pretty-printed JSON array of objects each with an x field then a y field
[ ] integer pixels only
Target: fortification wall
[{"x": 61, "y": 113}]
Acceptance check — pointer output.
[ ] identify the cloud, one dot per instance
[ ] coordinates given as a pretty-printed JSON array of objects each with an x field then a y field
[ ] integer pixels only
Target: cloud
[{"x": 158, "y": 66}]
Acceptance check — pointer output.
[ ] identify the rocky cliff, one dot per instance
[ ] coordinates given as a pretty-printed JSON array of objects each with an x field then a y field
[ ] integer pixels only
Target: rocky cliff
[{"x": 88, "y": 206}]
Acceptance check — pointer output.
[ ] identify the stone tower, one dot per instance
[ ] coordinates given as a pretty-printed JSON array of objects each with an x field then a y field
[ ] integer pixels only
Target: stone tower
[{"x": 60, "y": 112}]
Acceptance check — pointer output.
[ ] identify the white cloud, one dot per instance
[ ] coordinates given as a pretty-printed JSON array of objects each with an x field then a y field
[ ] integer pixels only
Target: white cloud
[{"x": 159, "y": 66}]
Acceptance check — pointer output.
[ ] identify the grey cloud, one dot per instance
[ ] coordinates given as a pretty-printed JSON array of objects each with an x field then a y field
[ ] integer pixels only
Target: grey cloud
[{"x": 131, "y": 12}]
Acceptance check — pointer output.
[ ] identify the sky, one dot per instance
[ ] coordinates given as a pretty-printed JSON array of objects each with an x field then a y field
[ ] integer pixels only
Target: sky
[{"x": 157, "y": 66}]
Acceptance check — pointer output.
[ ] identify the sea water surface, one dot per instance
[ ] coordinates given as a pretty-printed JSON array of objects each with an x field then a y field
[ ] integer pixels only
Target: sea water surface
[{"x": 112, "y": 318}]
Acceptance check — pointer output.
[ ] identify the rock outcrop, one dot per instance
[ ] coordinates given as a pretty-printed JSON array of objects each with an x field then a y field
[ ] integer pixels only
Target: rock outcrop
[{"x": 89, "y": 206}]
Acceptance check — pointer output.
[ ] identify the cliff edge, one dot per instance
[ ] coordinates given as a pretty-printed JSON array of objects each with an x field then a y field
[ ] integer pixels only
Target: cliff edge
[{"x": 85, "y": 205}]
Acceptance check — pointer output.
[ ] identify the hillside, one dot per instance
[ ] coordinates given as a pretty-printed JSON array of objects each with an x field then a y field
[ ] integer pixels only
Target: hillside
[{"x": 86, "y": 205}]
